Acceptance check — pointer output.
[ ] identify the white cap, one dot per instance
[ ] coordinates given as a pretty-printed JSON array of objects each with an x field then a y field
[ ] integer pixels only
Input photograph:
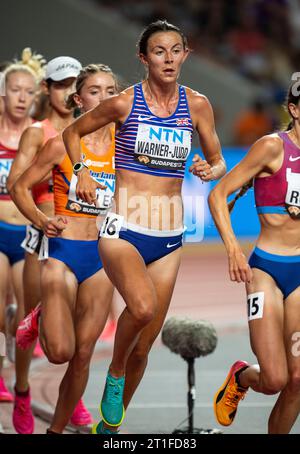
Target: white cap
[{"x": 61, "y": 68}]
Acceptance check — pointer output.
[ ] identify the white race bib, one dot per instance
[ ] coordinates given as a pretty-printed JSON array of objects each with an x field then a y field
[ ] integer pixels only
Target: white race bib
[
  {"x": 162, "y": 147},
  {"x": 44, "y": 249},
  {"x": 5, "y": 166},
  {"x": 31, "y": 240},
  {"x": 255, "y": 303},
  {"x": 111, "y": 226},
  {"x": 292, "y": 198},
  {"x": 103, "y": 202}
]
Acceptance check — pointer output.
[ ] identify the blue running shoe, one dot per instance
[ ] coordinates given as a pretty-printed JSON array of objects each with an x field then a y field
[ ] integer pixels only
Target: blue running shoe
[
  {"x": 99, "y": 429},
  {"x": 111, "y": 407}
]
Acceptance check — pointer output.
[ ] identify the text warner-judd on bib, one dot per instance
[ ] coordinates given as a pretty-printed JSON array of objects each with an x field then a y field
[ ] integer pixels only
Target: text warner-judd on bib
[{"x": 167, "y": 148}]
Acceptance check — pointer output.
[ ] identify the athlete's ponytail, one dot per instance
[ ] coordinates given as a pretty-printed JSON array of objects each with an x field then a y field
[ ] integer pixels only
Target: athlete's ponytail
[
  {"x": 240, "y": 194},
  {"x": 31, "y": 63}
]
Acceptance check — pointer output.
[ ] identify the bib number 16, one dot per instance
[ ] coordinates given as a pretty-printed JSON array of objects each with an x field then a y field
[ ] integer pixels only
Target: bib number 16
[{"x": 111, "y": 226}]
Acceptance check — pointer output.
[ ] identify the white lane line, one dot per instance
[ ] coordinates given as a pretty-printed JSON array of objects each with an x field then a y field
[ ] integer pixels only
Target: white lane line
[{"x": 179, "y": 405}]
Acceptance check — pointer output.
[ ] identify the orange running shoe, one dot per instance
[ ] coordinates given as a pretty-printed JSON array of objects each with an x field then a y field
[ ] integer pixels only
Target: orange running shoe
[
  {"x": 228, "y": 396},
  {"x": 28, "y": 329}
]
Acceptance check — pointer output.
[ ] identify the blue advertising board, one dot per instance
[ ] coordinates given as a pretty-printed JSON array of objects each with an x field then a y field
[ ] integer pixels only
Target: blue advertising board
[{"x": 197, "y": 218}]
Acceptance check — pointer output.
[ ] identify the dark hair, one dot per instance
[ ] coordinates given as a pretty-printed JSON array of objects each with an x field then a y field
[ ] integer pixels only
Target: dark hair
[
  {"x": 154, "y": 27},
  {"x": 292, "y": 97},
  {"x": 84, "y": 74}
]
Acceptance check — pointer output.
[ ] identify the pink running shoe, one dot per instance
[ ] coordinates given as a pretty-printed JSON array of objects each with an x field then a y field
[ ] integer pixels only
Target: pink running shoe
[
  {"x": 38, "y": 351},
  {"x": 23, "y": 420},
  {"x": 109, "y": 331},
  {"x": 28, "y": 329},
  {"x": 5, "y": 395},
  {"x": 81, "y": 416}
]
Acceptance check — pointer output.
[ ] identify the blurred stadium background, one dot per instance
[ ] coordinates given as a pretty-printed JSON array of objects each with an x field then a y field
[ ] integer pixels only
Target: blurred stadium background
[{"x": 243, "y": 55}]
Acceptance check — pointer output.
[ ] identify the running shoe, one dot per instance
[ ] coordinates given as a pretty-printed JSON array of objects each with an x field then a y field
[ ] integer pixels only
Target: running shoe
[
  {"x": 5, "y": 395},
  {"x": 99, "y": 429},
  {"x": 229, "y": 395},
  {"x": 23, "y": 420},
  {"x": 81, "y": 416},
  {"x": 28, "y": 329},
  {"x": 38, "y": 351},
  {"x": 111, "y": 408},
  {"x": 109, "y": 331},
  {"x": 10, "y": 312}
]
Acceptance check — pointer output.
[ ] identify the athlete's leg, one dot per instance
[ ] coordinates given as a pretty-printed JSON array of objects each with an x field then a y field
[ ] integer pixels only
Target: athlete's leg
[
  {"x": 17, "y": 280},
  {"x": 22, "y": 357},
  {"x": 287, "y": 407},
  {"x": 31, "y": 282},
  {"x": 32, "y": 296},
  {"x": 137, "y": 290},
  {"x": 92, "y": 308},
  {"x": 267, "y": 342},
  {"x": 58, "y": 294},
  {"x": 5, "y": 269},
  {"x": 163, "y": 274},
  {"x": 267, "y": 339}
]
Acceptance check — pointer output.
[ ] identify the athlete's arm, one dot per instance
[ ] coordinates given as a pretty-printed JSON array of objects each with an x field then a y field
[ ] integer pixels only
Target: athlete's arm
[
  {"x": 49, "y": 156},
  {"x": 30, "y": 142},
  {"x": 115, "y": 110},
  {"x": 259, "y": 158},
  {"x": 213, "y": 167}
]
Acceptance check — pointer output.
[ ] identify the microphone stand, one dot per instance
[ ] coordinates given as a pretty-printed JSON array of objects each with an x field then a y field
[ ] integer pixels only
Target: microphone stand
[{"x": 191, "y": 397}]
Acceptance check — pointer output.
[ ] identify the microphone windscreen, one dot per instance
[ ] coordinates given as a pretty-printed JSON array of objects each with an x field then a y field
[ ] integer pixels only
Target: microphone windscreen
[{"x": 189, "y": 338}]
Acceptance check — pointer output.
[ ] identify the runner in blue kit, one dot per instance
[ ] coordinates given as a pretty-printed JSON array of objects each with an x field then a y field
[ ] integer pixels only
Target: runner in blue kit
[
  {"x": 141, "y": 238},
  {"x": 272, "y": 276},
  {"x": 21, "y": 87}
]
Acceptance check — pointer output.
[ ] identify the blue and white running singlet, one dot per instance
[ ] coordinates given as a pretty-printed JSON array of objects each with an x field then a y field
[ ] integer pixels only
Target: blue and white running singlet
[{"x": 154, "y": 145}]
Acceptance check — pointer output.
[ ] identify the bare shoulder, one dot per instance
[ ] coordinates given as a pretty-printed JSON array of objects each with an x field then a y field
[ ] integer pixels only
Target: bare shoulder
[
  {"x": 124, "y": 99},
  {"x": 271, "y": 144},
  {"x": 54, "y": 147},
  {"x": 34, "y": 133},
  {"x": 197, "y": 101},
  {"x": 118, "y": 107}
]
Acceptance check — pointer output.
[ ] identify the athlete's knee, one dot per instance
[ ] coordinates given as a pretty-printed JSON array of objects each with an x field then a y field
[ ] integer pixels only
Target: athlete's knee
[
  {"x": 273, "y": 383},
  {"x": 294, "y": 382},
  {"x": 58, "y": 353},
  {"x": 143, "y": 314},
  {"x": 143, "y": 310}
]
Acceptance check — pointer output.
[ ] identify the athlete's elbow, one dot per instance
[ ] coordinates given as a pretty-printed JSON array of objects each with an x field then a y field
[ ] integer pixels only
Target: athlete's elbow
[
  {"x": 9, "y": 185},
  {"x": 213, "y": 198},
  {"x": 15, "y": 191},
  {"x": 68, "y": 133}
]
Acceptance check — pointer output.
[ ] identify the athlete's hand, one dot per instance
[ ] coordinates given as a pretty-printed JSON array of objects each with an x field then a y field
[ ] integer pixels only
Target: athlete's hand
[
  {"x": 86, "y": 187},
  {"x": 239, "y": 269},
  {"x": 53, "y": 227},
  {"x": 201, "y": 169}
]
